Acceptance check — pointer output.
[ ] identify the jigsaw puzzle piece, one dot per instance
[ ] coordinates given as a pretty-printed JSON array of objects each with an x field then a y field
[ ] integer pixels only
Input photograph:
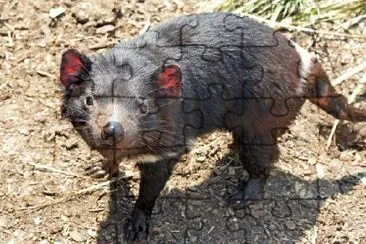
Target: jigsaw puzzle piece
[
  {"x": 244, "y": 87},
  {"x": 267, "y": 127},
  {"x": 211, "y": 107},
  {"x": 169, "y": 220},
  {"x": 167, "y": 133},
  {"x": 207, "y": 53},
  {"x": 262, "y": 36},
  {"x": 201, "y": 229}
]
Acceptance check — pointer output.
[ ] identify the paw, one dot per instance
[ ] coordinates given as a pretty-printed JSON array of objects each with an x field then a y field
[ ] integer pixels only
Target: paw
[
  {"x": 247, "y": 192},
  {"x": 101, "y": 170},
  {"x": 137, "y": 227},
  {"x": 95, "y": 171}
]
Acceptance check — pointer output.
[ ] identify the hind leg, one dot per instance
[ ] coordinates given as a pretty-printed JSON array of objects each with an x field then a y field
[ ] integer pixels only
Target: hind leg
[{"x": 257, "y": 155}]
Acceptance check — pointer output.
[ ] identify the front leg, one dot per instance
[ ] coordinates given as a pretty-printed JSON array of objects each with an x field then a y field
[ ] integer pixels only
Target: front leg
[{"x": 153, "y": 179}]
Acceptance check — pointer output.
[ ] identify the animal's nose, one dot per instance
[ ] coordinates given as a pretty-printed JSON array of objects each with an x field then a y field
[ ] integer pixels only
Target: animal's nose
[{"x": 113, "y": 130}]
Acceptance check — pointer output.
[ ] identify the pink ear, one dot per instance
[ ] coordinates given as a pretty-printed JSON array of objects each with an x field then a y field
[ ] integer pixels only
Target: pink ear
[
  {"x": 72, "y": 64},
  {"x": 169, "y": 80}
]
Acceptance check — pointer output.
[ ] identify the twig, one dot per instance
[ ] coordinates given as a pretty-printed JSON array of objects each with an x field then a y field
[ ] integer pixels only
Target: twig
[
  {"x": 101, "y": 45},
  {"x": 360, "y": 86},
  {"x": 44, "y": 73},
  {"x": 276, "y": 24},
  {"x": 210, "y": 6},
  {"x": 54, "y": 170},
  {"x": 348, "y": 73},
  {"x": 146, "y": 26},
  {"x": 73, "y": 194},
  {"x": 4, "y": 19},
  {"x": 10, "y": 40},
  {"x": 205, "y": 147},
  {"x": 11, "y": 28}
]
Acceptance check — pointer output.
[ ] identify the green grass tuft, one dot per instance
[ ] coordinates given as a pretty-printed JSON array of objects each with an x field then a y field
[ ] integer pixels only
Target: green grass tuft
[{"x": 298, "y": 11}]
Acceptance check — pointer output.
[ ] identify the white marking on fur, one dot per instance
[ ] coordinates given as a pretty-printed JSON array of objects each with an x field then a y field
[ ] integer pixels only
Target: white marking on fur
[
  {"x": 150, "y": 158},
  {"x": 146, "y": 158},
  {"x": 305, "y": 66},
  {"x": 114, "y": 116}
]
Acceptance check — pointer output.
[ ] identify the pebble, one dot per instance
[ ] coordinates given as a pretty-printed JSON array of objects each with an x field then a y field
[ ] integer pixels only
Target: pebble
[
  {"x": 77, "y": 236},
  {"x": 81, "y": 16},
  {"x": 92, "y": 233},
  {"x": 258, "y": 213},
  {"x": 71, "y": 144},
  {"x": 105, "y": 29},
  {"x": 56, "y": 12},
  {"x": 23, "y": 131},
  {"x": 196, "y": 202},
  {"x": 320, "y": 171},
  {"x": 232, "y": 171},
  {"x": 37, "y": 220},
  {"x": 83, "y": 12},
  {"x": 290, "y": 225},
  {"x": 363, "y": 181},
  {"x": 3, "y": 221},
  {"x": 201, "y": 159}
]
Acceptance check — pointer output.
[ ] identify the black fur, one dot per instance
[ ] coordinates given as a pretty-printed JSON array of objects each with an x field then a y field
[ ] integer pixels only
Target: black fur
[{"x": 237, "y": 74}]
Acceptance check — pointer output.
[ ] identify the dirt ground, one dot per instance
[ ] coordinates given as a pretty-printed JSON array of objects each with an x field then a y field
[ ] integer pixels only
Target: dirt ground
[{"x": 313, "y": 195}]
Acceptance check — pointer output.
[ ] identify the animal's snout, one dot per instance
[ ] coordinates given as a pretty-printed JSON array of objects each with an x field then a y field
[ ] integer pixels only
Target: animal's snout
[{"x": 113, "y": 131}]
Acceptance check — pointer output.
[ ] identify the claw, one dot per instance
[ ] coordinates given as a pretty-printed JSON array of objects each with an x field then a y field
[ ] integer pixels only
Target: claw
[
  {"x": 95, "y": 171},
  {"x": 101, "y": 170},
  {"x": 247, "y": 192},
  {"x": 137, "y": 228}
]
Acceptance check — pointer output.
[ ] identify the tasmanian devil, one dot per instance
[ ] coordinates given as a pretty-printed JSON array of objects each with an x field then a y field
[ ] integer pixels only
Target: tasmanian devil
[{"x": 148, "y": 98}]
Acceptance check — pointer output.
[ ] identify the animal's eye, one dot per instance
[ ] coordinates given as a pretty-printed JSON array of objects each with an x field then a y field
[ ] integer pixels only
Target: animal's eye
[{"x": 89, "y": 101}]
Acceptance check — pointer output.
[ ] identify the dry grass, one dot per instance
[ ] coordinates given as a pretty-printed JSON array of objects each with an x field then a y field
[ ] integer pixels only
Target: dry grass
[{"x": 298, "y": 12}]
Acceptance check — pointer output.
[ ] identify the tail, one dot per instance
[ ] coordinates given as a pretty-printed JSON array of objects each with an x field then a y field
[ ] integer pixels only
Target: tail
[{"x": 323, "y": 94}]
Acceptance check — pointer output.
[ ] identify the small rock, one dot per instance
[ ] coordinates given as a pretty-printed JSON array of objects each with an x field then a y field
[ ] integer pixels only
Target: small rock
[
  {"x": 81, "y": 16},
  {"x": 37, "y": 220},
  {"x": 92, "y": 233},
  {"x": 193, "y": 239},
  {"x": 345, "y": 59},
  {"x": 320, "y": 171},
  {"x": 64, "y": 218},
  {"x": 106, "y": 21},
  {"x": 300, "y": 189},
  {"x": 363, "y": 182},
  {"x": 196, "y": 202},
  {"x": 232, "y": 171},
  {"x": 201, "y": 159},
  {"x": 245, "y": 176},
  {"x": 358, "y": 157},
  {"x": 23, "y": 131},
  {"x": 71, "y": 144},
  {"x": 258, "y": 213},
  {"x": 3, "y": 221},
  {"x": 312, "y": 161},
  {"x": 42, "y": 43},
  {"x": 105, "y": 29},
  {"x": 217, "y": 171},
  {"x": 77, "y": 236},
  {"x": 290, "y": 225},
  {"x": 56, "y": 12},
  {"x": 345, "y": 156},
  {"x": 128, "y": 173},
  {"x": 233, "y": 224}
]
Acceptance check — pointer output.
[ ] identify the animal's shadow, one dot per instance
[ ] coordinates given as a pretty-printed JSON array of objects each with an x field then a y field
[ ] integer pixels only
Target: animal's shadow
[{"x": 200, "y": 214}]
